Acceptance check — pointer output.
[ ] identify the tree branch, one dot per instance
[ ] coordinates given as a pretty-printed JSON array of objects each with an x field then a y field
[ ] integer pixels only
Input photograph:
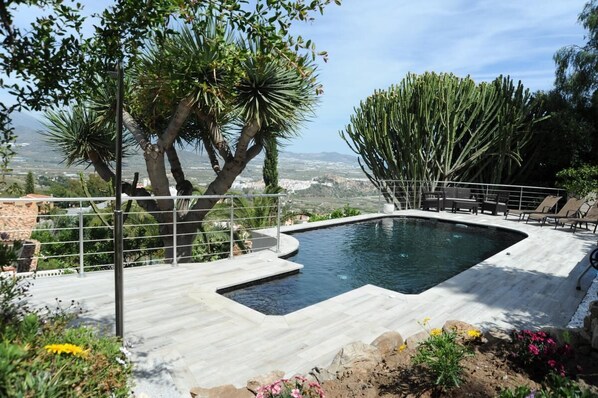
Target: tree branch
[
  {"x": 137, "y": 132},
  {"x": 175, "y": 165},
  {"x": 207, "y": 144},
  {"x": 100, "y": 166},
  {"x": 252, "y": 152},
  {"x": 216, "y": 136},
  {"x": 176, "y": 122},
  {"x": 247, "y": 133}
]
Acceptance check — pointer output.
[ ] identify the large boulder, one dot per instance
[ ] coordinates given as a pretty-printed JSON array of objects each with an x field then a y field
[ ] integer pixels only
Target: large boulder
[
  {"x": 255, "y": 383},
  {"x": 321, "y": 374},
  {"x": 227, "y": 391},
  {"x": 388, "y": 342},
  {"x": 355, "y": 356},
  {"x": 413, "y": 341}
]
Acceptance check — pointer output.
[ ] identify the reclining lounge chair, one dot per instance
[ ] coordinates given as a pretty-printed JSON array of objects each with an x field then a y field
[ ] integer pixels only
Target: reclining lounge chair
[
  {"x": 571, "y": 209},
  {"x": 547, "y": 204},
  {"x": 591, "y": 217}
]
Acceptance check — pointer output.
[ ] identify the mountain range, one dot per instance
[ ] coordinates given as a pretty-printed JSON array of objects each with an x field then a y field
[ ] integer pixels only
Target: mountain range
[{"x": 33, "y": 153}]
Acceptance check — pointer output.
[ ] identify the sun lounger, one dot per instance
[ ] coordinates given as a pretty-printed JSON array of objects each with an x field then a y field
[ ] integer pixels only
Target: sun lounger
[
  {"x": 547, "y": 204},
  {"x": 571, "y": 209},
  {"x": 591, "y": 217}
]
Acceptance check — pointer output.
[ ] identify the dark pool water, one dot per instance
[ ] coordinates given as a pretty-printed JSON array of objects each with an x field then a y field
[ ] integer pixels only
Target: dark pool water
[{"x": 407, "y": 255}]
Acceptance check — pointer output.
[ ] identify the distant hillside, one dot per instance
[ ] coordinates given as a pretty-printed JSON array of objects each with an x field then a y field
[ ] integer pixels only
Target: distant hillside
[
  {"x": 26, "y": 128},
  {"x": 34, "y": 154},
  {"x": 328, "y": 157}
]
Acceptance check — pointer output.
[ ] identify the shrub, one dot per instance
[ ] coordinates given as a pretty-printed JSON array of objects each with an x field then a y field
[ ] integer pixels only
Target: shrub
[
  {"x": 555, "y": 386},
  {"x": 40, "y": 355},
  {"x": 579, "y": 181},
  {"x": 442, "y": 355},
  {"x": 345, "y": 211},
  {"x": 297, "y": 387},
  {"x": 539, "y": 353}
]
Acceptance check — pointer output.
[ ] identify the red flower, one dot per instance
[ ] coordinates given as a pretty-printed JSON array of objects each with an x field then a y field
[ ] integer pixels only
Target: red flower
[{"x": 534, "y": 349}]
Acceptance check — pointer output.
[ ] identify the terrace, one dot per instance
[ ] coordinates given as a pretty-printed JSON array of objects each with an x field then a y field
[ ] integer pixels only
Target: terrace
[{"x": 184, "y": 334}]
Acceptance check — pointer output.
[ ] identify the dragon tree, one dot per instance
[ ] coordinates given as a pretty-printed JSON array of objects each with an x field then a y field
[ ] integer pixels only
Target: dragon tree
[{"x": 206, "y": 84}]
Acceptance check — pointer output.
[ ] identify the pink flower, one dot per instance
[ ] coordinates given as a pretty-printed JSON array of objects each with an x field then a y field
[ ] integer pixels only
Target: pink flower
[
  {"x": 295, "y": 393},
  {"x": 552, "y": 363},
  {"x": 534, "y": 349},
  {"x": 276, "y": 388}
]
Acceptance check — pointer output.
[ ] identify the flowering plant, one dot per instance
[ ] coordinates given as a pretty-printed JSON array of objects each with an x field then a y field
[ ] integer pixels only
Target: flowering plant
[
  {"x": 442, "y": 354},
  {"x": 297, "y": 387},
  {"x": 67, "y": 348},
  {"x": 539, "y": 352}
]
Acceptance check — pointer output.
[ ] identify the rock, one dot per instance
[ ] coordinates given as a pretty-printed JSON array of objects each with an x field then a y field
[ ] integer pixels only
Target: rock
[
  {"x": 255, "y": 383},
  {"x": 499, "y": 334},
  {"x": 413, "y": 341},
  {"x": 576, "y": 337},
  {"x": 593, "y": 309},
  {"x": 227, "y": 391},
  {"x": 356, "y": 356},
  {"x": 457, "y": 326},
  {"x": 388, "y": 342},
  {"x": 321, "y": 374}
]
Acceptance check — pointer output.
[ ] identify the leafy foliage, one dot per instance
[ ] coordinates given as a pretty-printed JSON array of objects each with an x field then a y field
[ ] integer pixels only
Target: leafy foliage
[
  {"x": 345, "y": 211},
  {"x": 29, "y": 367},
  {"x": 579, "y": 181},
  {"x": 270, "y": 170},
  {"x": 554, "y": 386},
  {"x": 442, "y": 356},
  {"x": 566, "y": 139},
  {"x": 29, "y": 183},
  {"x": 577, "y": 66}
]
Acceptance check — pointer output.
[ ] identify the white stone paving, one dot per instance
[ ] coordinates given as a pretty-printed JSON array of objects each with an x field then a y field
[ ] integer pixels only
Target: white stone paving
[{"x": 184, "y": 334}]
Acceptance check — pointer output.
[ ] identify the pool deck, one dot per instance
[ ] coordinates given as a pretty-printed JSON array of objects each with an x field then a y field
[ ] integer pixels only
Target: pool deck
[{"x": 179, "y": 326}]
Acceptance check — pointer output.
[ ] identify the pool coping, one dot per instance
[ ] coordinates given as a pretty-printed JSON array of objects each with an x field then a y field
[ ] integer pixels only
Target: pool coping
[{"x": 174, "y": 315}]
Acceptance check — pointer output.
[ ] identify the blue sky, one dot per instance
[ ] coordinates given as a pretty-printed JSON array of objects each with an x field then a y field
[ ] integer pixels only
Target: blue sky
[{"x": 375, "y": 43}]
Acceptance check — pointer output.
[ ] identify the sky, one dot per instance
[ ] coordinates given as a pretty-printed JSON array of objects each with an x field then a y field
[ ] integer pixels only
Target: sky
[{"x": 373, "y": 44}]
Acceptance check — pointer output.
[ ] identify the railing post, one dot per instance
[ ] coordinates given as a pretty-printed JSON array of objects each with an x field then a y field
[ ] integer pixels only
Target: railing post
[
  {"x": 520, "y": 197},
  {"x": 379, "y": 207},
  {"x": 278, "y": 225},
  {"x": 174, "y": 237},
  {"x": 232, "y": 217},
  {"x": 81, "y": 237}
]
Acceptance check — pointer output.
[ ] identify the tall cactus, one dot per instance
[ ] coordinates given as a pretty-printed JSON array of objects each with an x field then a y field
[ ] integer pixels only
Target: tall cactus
[{"x": 435, "y": 127}]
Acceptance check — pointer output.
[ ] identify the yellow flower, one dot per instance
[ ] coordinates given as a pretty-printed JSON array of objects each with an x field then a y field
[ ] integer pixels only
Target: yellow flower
[
  {"x": 402, "y": 347},
  {"x": 66, "y": 348},
  {"x": 426, "y": 320},
  {"x": 474, "y": 334},
  {"x": 435, "y": 332}
]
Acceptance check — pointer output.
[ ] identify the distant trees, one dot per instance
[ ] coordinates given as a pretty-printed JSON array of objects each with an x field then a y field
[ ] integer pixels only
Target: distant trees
[
  {"x": 577, "y": 66},
  {"x": 270, "y": 170},
  {"x": 434, "y": 127},
  {"x": 29, "y": 183}
]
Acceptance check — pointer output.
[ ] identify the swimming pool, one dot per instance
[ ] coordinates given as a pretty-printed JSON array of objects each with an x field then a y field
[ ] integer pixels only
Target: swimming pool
[{"x": 407, "y": 255}]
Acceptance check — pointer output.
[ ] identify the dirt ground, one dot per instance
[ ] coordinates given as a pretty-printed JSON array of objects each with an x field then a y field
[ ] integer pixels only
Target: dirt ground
[{"x": 487, "y": 371}]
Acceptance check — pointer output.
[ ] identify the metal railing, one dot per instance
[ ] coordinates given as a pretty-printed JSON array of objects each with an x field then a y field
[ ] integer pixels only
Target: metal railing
[
  {"x": 75, "y": 235},
  {"x": 407, "y": 194}
]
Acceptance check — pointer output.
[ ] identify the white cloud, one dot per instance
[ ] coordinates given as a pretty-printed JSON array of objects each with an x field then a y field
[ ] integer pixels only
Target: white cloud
[{"x": 373, "y": 44}]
